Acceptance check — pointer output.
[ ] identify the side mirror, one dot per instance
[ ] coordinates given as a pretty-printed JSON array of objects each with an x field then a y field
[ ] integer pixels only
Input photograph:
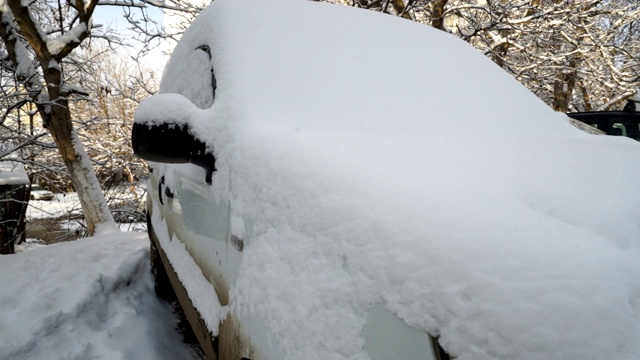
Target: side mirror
[{"x": 173, "y": 144}]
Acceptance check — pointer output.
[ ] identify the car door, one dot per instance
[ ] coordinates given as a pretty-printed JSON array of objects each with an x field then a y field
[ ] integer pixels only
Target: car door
[{"x": 200, "y": 220}]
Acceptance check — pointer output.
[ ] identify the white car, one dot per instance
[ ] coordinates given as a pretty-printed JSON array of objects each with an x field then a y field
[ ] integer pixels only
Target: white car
[
  {"x": 40, "y": 193},
  {"x": 333, "y": 183}
]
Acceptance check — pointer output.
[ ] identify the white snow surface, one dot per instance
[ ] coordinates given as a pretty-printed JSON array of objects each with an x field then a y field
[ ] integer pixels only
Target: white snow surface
[
  {"x": 72, "y": 36},
  {"x": 87, "y": 299},
  {"x": 60, "y": 205},
  {"x": 382, "y": 161},
  {"x": 12, "y": 173}
]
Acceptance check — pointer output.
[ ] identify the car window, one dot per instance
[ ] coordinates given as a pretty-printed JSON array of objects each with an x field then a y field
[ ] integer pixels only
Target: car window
[
  {"x": 204, "y": 229},
  {"x": 619, "y": 129},
  {"x": 612, "y": 122},
  {"x": 201, "y": 214},
  {"x": 198, "y": 82},
  {"x": 214, "y": 82},
  {"x": 387, "y": 337}
]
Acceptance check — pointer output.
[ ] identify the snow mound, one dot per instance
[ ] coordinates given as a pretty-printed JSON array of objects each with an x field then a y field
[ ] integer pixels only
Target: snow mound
[{"x": 87, "y": 299}]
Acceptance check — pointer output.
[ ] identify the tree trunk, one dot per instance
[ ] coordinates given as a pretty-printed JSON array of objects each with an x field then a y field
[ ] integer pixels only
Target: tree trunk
[
  {"x": 55, "y": 110},
  {"x": 585, "y": 97},
  {"x": 563, "y": 87},
  {"x": 561, "y": 95},
  {"x": 85, "y": 182},
  {"x": 401, "y": 9},
  {"x": 437, "y": 13},
  {"x": 6, "y": 244}
]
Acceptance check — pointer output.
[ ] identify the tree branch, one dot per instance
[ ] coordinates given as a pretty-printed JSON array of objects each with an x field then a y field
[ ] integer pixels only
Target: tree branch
[{"x": 34, "y": 35}]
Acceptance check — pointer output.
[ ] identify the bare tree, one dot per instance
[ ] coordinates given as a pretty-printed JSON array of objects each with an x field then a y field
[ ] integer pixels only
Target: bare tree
[
  {"x": 41, "y": 77},
  {"x": 25, "y": 39},
  {"x": 116, "y": 85},
  {"x": 574, "y": 54},
  {"x": 150, "y": 34}
]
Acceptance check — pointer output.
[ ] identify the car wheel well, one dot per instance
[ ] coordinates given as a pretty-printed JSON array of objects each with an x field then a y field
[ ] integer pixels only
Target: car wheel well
[
  {"x": 162, "y": 285},
  {"x": 179, "y": 300}
]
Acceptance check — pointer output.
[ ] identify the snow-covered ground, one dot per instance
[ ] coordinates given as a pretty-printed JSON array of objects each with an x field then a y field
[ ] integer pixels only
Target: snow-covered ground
[
  {"x": 87, "y": 299},
  {"x": 65, "y": 206},
  {"x": 61, "y": 204}
]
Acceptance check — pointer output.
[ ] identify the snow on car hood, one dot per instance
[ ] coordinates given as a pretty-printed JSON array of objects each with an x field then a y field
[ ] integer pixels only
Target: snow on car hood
[{"x": 382, "y": 161}]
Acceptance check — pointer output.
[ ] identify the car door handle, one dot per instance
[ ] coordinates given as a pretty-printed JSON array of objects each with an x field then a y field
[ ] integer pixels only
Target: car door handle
[
  {"x": 237, "y": 243},
  {"x": 168, "y": 193},
  {"x": 160, "y": 183}
]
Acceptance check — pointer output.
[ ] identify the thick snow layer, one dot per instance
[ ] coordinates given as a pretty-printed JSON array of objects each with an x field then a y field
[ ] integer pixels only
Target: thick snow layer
[
  {"x": 12, "y": 173},
  {"x": 381, "y": 161},
  {"x": 87, "y": 299},
  {"x": 72, "y": 36}
]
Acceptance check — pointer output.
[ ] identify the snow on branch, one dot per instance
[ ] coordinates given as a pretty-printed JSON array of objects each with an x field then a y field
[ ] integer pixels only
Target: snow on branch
[
  {"x": 16, "y": 48},
  {"x": 615, "y": 100},
  {"x": 145, "y": 3},
  {"x": 30, "y": 28},
  {"x": 71, "y": 39},
  {"x": 68, "y": 89},
  {"x": 17, "y": 51}
]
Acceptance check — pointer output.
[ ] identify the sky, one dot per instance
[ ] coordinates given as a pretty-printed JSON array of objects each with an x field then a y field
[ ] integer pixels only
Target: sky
[{"x": 112, "y": 17}]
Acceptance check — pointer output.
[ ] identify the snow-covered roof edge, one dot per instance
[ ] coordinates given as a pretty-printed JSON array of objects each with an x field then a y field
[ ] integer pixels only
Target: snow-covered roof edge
[{"x": 12, "y": 173}]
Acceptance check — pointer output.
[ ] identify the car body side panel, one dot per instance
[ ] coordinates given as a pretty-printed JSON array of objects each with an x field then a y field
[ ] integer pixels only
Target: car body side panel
[
  {"x": 203, "y": 226},
  {"x": 166, "y": 228},
  {"x": 197, "y": 218},
  {"x": 206, "y": 340}
]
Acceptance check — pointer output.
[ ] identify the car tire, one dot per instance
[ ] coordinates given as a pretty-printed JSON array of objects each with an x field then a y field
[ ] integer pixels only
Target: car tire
[
  {"x": 161, "y": 280},
  {"x": 162, "y": 285},
  {"x": 32, "y": 197}
]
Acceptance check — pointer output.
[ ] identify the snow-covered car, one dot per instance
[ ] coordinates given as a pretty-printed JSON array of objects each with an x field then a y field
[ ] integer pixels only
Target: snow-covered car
[
  {"x": 621, "y": 123},
  {"x": 332, "y": 183},
  {"x": 40, "y": 193}
]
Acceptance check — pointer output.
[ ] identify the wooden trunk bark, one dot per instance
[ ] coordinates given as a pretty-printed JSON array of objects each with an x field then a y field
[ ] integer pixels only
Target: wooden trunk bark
[
  {"x": 55, "y": 110},
  {"x": 58, "y": 122},
  {"x": 437, "y": 13},
  {"x": 563, "y": 87}
]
